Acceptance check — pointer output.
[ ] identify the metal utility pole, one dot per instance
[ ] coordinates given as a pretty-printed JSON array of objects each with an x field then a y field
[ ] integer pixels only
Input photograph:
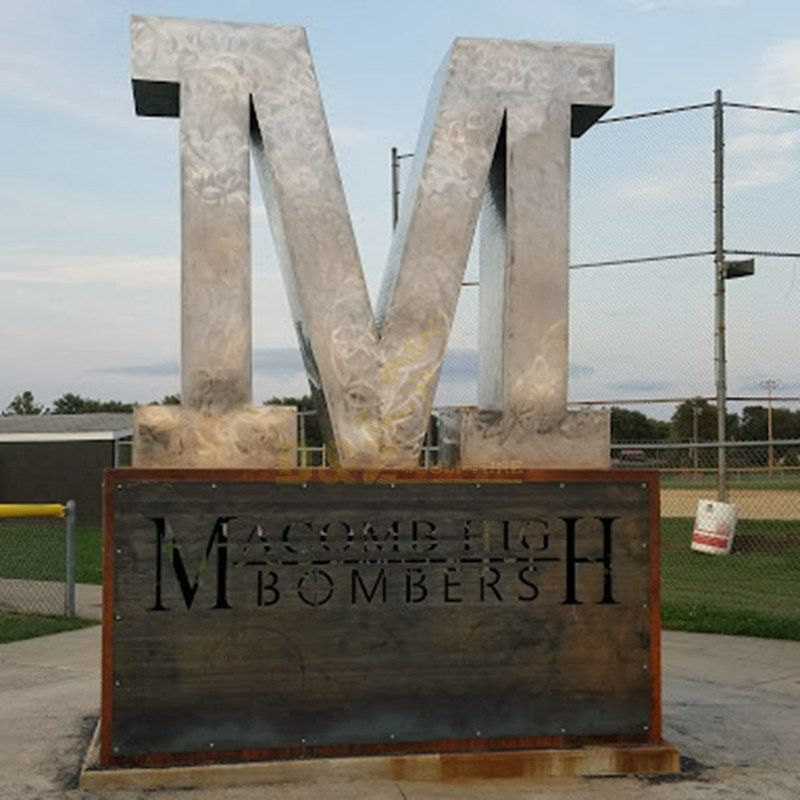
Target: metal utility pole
[
  {"x": 719, "y": 297},
  {"x": 770, "y": 385},
  {"x": 395, "y": 188},
  {"x": 69, "y": 582},
  {"x": 397, "y": 157}
]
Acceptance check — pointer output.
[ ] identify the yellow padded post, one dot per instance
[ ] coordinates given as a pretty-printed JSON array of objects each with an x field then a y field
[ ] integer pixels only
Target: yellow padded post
[{"x": 17, "y": 510}]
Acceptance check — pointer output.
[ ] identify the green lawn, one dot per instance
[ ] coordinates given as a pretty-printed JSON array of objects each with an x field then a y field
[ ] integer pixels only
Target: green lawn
[
  {"x": 34, "y": 548},
  {"x": 25, "y": 626},
  {"x": 755, "y": 591},
  {"x": 710, "y": 618},
  {"x": 757, "y": 480},
  {"x": 89, "y": 556}
]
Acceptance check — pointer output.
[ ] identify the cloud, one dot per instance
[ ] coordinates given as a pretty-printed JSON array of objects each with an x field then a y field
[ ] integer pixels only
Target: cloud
[
  {"x": 166, "y": 368},
  {"x": 754, "y": 384},
  {"x": 754, "y": 158},
  {"x": 668, "y": 185},
  {"x": 778, "y": 75},
  {"x": 762, "y": 148},
  {"x": 462, "y": 363},
  {"x": 284, "y": 362},
  {"x": 658, "y": 5},
  {"x": 38, "y": 68},
  {"x": 580, "y": 370},
  {"x": 278, "y": 362},
  {"x": 355, "y": 135},
  {"x": 761, "y": 159},
  {"x": 459, "y": 364},
  {"x": 642, "y": 386},
  {"x": 18, "y": 266},
  {"x": 31, "y": 81}
]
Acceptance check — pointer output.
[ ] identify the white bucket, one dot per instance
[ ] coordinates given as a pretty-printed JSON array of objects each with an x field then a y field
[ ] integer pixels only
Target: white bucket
[{"x": 714, "y": 527}]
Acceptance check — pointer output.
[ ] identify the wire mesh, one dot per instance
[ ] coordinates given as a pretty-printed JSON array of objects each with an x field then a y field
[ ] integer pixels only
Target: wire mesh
[
  {"x": 758, "y": 584},
  {"x": 642, "y": 332},
  {"x": 642, "y": 199},
  {"x": 762, "y": 180},
  {"x": 643, "y": 187},
  {"x": 642, "y": 339},
  {"x": 33, "y": 565}
]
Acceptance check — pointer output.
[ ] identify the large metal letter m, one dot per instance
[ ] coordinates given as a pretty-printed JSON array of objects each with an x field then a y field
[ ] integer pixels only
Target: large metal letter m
[{"x": 496, "y": 133}]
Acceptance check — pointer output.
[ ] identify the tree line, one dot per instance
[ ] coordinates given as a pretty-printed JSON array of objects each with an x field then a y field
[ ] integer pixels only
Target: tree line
[
  {"x": 692, "y": 420},
  {"x": 696, "y": 420},
  {"x": 25, "y": 404}
]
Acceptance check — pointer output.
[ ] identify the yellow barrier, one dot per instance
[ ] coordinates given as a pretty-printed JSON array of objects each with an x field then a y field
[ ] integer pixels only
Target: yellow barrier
[{"x": 16, "y": 510}]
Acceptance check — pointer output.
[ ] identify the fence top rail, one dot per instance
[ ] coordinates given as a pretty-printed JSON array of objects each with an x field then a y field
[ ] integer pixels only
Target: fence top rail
[
  {"x": 19, "y": 510},
  {"x": 699, "y": 445},
  {"x": 761, "y": 107},
  {"x": 656, "y": 113},
  {"x": 640, "y": 401}
]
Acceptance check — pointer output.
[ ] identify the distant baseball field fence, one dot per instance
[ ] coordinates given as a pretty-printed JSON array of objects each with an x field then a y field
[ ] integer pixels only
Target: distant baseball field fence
[{"x": 37, "y": 558}]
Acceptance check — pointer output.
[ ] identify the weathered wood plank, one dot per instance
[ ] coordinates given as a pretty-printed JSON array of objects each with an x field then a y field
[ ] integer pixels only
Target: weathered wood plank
[{"x": 358, "y": 615}]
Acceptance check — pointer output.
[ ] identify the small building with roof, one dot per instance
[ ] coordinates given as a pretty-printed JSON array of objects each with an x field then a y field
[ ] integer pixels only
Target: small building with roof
[{"x": 58, "y": 457}]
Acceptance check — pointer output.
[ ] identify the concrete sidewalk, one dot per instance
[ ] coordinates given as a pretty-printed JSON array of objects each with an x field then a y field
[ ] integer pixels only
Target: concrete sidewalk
[
  {"x": 731, "y": 705},
  {"x": 89, "y": 601}
]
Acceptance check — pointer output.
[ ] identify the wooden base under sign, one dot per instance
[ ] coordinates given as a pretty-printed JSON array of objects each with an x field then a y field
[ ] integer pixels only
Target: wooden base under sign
[{"x": 620, "y": 759}]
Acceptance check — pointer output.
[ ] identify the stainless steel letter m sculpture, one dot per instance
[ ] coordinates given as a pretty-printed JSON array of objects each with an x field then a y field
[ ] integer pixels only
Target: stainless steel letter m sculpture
[{"x": 495, "y": 137}]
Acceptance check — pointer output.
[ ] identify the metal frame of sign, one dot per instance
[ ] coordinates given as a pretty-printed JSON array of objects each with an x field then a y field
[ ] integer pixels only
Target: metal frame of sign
[{"x": 653, "y": 734}]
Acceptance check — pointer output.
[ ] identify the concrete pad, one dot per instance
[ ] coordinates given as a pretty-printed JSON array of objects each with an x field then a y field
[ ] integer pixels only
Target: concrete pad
[
  {"x": 459, "y": 768},
  {"x": 752, "y": 503},
  {"x": 731, "y": 706},
  {"x": 89, "y": 601},
  {"x": 49, "y": 692}
]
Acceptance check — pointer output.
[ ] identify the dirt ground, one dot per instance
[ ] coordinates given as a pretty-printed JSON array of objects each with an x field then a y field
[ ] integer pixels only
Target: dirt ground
[{"x": 752, "y": 503}]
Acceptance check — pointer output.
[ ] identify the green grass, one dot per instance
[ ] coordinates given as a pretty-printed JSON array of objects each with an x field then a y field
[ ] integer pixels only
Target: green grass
[
  {"x": 14, "y": 627},
  {"x": 756, "y": 481},
  {"x": 89, "y": 556},
  {"x": 34, "y": 548},
  {"x": 710, "y": 618},
  {"x": 755, "y": 591}
]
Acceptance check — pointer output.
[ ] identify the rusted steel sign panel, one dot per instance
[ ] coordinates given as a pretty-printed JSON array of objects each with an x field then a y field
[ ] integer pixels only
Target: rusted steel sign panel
[{"x": 266, "y": 614}]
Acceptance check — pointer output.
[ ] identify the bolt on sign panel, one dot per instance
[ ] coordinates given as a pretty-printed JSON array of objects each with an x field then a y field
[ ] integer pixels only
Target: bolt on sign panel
[{"x": 287, "y": 614}]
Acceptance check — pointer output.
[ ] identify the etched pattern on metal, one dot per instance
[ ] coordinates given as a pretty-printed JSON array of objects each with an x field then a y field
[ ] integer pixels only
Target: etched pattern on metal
[
  {"x": 172, "y": 436},
  {"x": 375, "y": 376}
]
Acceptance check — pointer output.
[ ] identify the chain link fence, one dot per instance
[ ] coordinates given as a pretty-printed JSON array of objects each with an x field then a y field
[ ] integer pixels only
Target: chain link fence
[
  {"x": 756, "y": 588},
  {"x": 37, "y": 559},
  {"x": 642, "y": 258},
  {"x": 646, "y": 227}
]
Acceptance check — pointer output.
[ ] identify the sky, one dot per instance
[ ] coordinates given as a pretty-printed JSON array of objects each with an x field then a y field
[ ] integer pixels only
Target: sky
[{"x": 89, "y": 197}]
